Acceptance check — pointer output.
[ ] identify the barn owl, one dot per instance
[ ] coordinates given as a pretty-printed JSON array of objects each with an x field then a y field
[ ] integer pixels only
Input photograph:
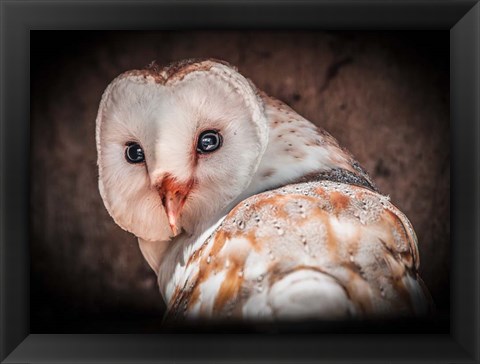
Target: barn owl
[{"x": 243, "y": 208}]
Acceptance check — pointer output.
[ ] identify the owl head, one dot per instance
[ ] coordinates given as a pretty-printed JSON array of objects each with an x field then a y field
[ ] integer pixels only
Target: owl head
[{"x": 176, "y": 146}]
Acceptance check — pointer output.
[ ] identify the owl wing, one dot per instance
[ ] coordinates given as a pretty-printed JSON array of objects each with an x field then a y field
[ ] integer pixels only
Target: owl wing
[{"x": 319, "y": 249}]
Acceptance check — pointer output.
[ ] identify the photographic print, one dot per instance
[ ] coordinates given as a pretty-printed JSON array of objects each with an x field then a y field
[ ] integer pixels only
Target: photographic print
[{"x": 239, "y": 178}]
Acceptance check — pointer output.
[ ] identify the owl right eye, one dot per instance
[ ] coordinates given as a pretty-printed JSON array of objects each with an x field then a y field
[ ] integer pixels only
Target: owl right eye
[{"x": 134, "y": 153}]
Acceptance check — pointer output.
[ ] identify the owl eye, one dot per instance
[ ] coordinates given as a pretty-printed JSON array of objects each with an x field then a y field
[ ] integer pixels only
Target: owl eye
[
  {"x": 209, "y": 141},
  {"x": 134, "y": 153}
]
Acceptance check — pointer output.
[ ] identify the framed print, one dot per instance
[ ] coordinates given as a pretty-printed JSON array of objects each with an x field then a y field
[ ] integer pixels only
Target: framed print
[{"x": 395, "y": 83}]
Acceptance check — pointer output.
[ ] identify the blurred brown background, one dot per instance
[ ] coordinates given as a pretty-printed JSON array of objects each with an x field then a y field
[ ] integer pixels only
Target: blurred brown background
[{"x": 383, "y": 95}]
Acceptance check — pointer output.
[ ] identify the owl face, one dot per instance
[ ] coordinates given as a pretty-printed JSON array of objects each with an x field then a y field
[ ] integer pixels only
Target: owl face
[{"x": 174, "y": 149}]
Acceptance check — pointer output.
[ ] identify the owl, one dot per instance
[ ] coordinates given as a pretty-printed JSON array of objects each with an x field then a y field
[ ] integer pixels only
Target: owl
[{"x": 243, "y": 208}]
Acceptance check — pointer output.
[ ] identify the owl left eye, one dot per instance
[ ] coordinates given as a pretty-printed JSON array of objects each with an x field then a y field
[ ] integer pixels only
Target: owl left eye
[
  {"x": 134, "y": 153},
  {"x": 209, "y": 141}
]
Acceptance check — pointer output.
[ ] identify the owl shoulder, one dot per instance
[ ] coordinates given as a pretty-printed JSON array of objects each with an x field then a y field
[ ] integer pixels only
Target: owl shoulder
[{"x": 346, "y": 244}]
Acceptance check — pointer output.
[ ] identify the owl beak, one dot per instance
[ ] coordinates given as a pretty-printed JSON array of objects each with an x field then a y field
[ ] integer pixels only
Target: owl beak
[
  {"x": 173, "y": 206},
  {"x": 174, "y": 195}
]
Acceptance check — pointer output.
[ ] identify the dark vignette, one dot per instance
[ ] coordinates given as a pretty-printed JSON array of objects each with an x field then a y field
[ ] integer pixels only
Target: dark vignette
[
  {"x": 17, "y": 182},
  {"x": 62, "y": 304}
]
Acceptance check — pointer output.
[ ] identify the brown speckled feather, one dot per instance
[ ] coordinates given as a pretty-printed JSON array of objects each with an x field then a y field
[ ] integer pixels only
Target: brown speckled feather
[{"x": 347, "y": 236}]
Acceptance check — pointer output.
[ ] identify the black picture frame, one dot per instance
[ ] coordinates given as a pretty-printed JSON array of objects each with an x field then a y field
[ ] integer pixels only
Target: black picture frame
[{"x": 19, "y": 17}]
